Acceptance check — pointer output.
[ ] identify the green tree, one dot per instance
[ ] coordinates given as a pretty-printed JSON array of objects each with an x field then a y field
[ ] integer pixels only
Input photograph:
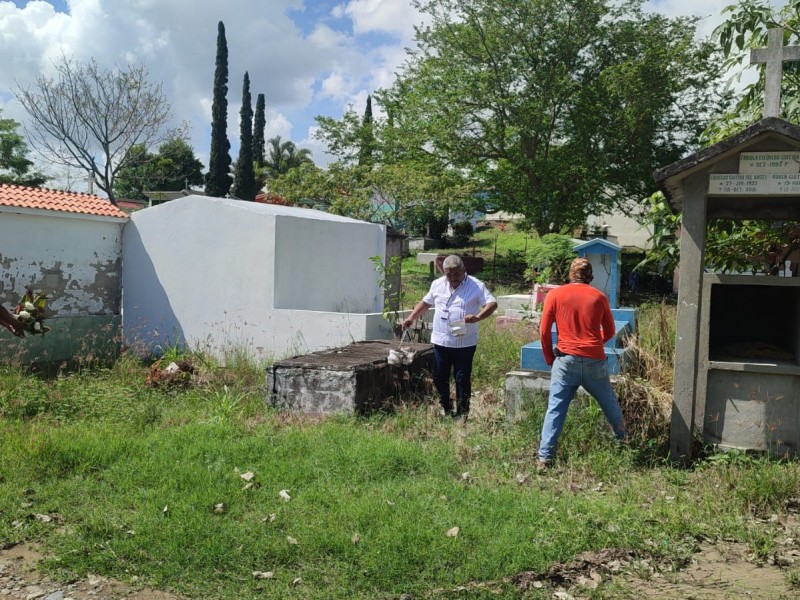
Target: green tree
[
  {"x": 218, "y": 178},
  {"x": 558, "y": 108},
  {"x": 367, "y": 142},
  {"x": 397, "y": 195},
  {"x": 746, "y": 28},
  {"x": 283, "y": 156},
  {"x": 244, "y": 182},
  {"x": 90, "y": 118},
  {"x": 174, "y": 167},
  {"x": 14, "y": 164},
  {"x": 401, "y": 184},
  {"x": 259, "y": 124}
]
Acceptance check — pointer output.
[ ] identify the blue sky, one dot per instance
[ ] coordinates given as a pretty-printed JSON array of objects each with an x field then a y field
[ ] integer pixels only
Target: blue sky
[{"x": 309, "y": 57}]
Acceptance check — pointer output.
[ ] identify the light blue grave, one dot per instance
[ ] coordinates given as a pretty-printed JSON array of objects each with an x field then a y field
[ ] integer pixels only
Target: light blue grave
[{"x": 604, "y": 257}]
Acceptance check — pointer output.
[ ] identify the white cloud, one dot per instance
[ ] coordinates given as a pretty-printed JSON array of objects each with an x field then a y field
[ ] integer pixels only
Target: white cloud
[
  {"x": 336, "y": 86},
  {"x": 390, "y": 16}
]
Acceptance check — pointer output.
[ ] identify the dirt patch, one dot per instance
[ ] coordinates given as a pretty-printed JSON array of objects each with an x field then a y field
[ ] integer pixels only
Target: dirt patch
[
  {"x": 718, "y": 570},
  {"x": 20, "y": 579}
]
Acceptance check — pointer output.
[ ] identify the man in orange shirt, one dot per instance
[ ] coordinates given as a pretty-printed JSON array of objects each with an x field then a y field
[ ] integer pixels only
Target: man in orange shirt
[{"x": 584, "y": 324}]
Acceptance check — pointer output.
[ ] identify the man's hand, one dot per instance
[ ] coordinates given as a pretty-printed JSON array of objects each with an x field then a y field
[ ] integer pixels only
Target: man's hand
[
  {"x": 408, "y": 323},
  {"x": 471, "y": 319}
]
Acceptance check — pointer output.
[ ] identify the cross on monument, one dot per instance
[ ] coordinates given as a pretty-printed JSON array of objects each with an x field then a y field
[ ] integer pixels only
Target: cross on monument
[{"x": 774, "y": 55}]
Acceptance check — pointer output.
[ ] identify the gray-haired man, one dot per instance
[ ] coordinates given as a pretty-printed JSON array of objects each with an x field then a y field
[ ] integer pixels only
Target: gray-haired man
[{"x": 460, "y": 301}]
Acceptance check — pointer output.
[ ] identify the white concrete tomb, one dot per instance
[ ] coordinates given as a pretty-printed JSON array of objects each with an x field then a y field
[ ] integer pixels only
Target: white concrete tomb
[{"x": 229, "y": 276}]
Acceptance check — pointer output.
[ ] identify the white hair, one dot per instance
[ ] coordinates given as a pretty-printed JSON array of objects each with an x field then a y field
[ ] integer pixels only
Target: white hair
[{"x": 453, "y": 262}]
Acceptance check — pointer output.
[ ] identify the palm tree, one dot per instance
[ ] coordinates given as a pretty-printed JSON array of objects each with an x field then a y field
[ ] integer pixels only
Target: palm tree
[{"x": 283, "y": 156}]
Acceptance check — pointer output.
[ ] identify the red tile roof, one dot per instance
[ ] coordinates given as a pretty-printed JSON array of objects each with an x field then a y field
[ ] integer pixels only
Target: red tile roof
[{"x": 46, "y": 199}]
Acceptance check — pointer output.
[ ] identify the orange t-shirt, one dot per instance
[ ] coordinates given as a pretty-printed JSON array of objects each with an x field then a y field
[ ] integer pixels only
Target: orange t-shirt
[{"x": 583, "y": 320}]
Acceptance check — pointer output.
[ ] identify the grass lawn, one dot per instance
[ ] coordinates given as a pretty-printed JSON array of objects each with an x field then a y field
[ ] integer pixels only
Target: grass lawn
[{"x": 181, "y": 489}]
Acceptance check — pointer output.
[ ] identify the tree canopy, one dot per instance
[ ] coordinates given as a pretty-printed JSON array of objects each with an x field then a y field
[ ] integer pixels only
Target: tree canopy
[
  {"x": 15, "y": 167},
  {"x": 283, "y": 156},
  {"x": 90, "y": 118},
  {"x": 745, "y": 28},
  {"x": 554, "y": 108},
  {"x": 173, "y": 168},
  {"x": 218, "y": 178},
  {"x": 259, "y": 123},
  {"x": 244, "y": 181}
]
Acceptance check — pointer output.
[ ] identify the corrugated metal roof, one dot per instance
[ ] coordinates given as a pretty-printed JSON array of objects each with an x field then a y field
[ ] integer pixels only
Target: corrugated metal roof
[{"x": 56, "y": 200}]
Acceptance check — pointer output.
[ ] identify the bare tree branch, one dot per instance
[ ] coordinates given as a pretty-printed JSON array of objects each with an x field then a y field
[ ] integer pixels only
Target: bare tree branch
[{"x": 89, "y": 118}]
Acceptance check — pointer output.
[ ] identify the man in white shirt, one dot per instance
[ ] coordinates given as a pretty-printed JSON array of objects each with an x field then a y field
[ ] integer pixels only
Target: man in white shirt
[{"x": 460, "y": 301}]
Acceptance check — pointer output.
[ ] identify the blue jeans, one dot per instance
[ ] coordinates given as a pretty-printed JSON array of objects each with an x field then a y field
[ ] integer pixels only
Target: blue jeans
[
  {"x": 567, "y": 374},
  {"x": 459, "y": 360}
]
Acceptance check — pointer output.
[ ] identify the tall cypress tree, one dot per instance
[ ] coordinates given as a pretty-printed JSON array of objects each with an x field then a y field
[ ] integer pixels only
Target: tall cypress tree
[
  {"x": 218, "y": 178},
  {"x": 244, "y": 183},
  {"x": 367, "y": 137},
  {"x": 259, "y": 124}
]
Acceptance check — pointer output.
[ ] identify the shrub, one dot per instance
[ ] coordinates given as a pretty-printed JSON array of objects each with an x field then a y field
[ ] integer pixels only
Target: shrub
[
  {"x": 549, "y": 258},
  {"x": 462, "y": 233}
]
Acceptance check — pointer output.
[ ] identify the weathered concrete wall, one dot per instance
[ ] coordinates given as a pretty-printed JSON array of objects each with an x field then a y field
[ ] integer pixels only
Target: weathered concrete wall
[
  {"x": 77, "y": 261},
  {"x": 226, "y": 275}
]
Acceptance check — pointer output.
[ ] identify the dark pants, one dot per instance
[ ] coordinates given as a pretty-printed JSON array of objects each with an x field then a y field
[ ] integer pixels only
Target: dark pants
[{"x": 459, "y": 360}]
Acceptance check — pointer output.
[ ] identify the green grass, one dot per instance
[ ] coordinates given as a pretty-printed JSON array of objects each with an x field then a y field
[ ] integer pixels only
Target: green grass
[
  {"x": 129, "y": 477},
  {"x": 503, "y": 251}
]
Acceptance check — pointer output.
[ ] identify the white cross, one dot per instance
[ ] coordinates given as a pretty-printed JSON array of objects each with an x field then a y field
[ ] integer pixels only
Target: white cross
[{"x": 774, "y": 55}]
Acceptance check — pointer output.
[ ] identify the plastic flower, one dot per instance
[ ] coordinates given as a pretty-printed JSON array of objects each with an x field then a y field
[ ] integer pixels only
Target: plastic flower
[{"x": 30, "y": 310}]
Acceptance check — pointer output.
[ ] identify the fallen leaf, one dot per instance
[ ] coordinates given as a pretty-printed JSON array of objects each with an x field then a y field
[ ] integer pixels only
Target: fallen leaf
[
  {"x": 263, "y": 574},
  {"x": 453, "y": 531},
  {"x": 591, "y": 582},
  {"x": 390, "y": 503},
  {"x": 284, "y": 494},
  {"x": 247, "y": 476},
  {"x": 291, "y": 540},
  {"x": 465, "y": 475},
  {"x": 356, "y": 538},
  {"x": 521, "y": 478},
  {"x": 296, "y": 581},
  {"x": 43, "y": 518},
  {"x": 165, "y": 510},
  {"x": 219, "y": 508},
  {"x": 269, "y": 518}
]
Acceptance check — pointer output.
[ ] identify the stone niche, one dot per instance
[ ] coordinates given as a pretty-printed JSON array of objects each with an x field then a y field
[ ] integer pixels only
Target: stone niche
[{"x": 354, "y": 379}]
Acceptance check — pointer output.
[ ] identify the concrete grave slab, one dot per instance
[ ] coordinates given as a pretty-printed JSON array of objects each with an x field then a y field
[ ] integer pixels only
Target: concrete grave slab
[{"x": 348, "y": 380}]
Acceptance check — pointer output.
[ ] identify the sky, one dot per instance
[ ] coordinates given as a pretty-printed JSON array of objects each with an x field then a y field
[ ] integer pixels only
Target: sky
[{"x": 308, "y": 57}]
